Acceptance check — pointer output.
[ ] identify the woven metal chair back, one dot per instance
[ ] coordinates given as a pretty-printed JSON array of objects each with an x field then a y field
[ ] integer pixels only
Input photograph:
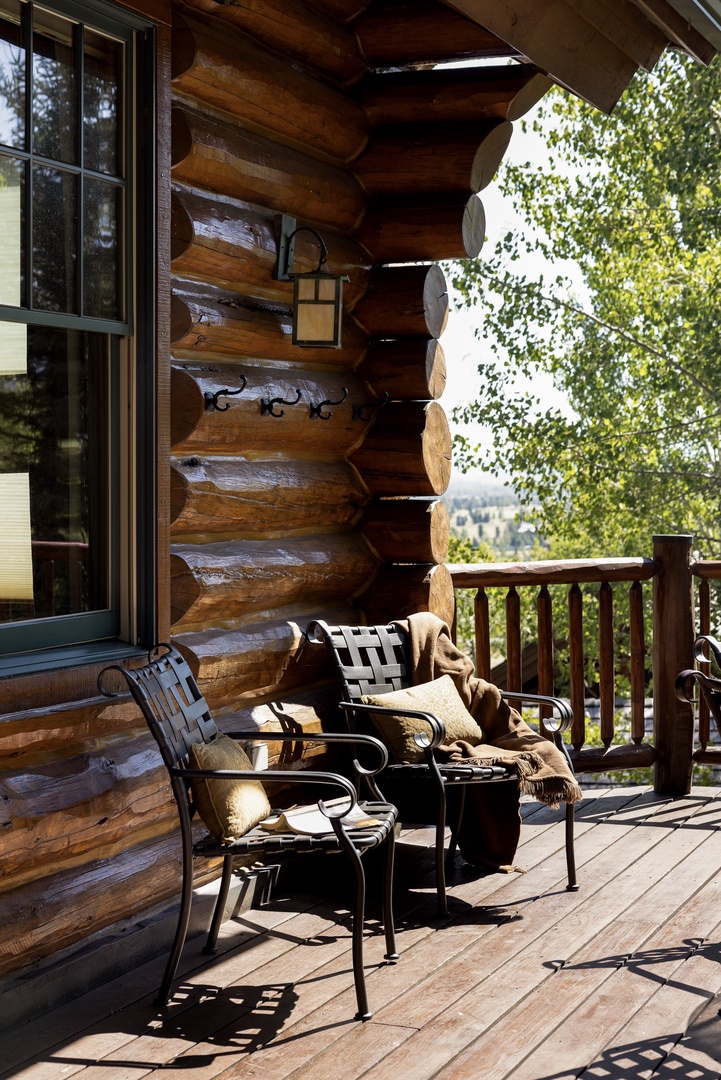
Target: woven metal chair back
[
  {"x": 172, "y": 704},
  {"x": 369, "y": 659}
]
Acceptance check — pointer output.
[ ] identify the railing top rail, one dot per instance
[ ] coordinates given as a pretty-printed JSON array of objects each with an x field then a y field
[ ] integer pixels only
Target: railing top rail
[
  {"x": 706, "y": 568},
  {"x": 551, "y": 572}
]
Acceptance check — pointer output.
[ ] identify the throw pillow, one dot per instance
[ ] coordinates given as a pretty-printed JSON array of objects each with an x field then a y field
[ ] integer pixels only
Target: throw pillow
[
  {"x": 439, "y": 697},
  {"x": 229, "y": 808}
]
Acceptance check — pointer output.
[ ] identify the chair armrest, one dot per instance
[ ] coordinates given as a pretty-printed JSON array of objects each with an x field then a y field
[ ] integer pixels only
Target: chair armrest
[
  {"x": 563, "y": 708},
  {"x": 686, "y": 680},
  {"x": 303, "y": 776},
  {"x": 714, "y": 646},
  {"x": 326, "y": 737},
  {"x": 438, "y": 728}
]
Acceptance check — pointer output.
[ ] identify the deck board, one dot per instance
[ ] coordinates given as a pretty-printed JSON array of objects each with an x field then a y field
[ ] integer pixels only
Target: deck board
[{"x": 523, "y": 979}]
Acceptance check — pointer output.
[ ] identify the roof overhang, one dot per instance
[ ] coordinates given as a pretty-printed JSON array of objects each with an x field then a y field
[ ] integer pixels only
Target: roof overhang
[
  {"x": 703, "y": 15},
  {"x": 595, "y": 49}
]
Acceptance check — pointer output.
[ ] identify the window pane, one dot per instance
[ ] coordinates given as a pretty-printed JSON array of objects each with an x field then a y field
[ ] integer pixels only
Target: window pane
[
  {"x": 12, "y": 75},
  {"x": 54, "y": 239},
  {"x": 54, "y": 453},
  {"x": 101, "y": 122},
  {"x": 12, "y": 270},
  {"x": 100, "y": 229},
  {"x": 54, "y": 88}
]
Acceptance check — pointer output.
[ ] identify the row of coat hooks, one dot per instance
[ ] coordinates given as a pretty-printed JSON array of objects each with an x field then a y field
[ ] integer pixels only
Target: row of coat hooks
[{"x": 320, "y": 410}]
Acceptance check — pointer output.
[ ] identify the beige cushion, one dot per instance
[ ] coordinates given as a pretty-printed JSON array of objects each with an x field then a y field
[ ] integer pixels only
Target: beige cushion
[
  {"x": 439, "y": 697},
  {"x": 228, "y": 807}
]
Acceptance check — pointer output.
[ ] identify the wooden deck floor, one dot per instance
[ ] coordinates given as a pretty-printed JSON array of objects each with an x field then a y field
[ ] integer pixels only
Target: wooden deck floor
[{"x": 524, "y": 980}]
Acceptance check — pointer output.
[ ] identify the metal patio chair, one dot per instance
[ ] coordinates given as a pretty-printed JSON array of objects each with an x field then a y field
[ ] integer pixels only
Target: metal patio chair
[
  {"x": 178, "y": 716},
  {"x": 709, "y": 685},
  {"x": 375, "y": 660}
]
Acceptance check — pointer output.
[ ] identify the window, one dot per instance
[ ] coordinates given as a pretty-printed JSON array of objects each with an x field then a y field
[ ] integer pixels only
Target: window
[{"x": 76, "y": 346}]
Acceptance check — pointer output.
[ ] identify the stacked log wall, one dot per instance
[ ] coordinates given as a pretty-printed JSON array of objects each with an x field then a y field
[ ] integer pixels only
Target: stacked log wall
[{"x": 303, "y": 482}]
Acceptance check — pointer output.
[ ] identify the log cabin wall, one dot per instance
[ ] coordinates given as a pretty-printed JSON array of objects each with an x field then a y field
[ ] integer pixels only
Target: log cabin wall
[
  {"x": 275, "y": 517},
  {"x": 331, "y": 111}
]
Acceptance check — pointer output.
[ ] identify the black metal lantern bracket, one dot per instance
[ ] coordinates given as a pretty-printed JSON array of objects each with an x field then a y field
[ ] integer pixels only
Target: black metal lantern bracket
[
  {"x": 287, "y": 230},
  {"x": 310, "y": 288}
]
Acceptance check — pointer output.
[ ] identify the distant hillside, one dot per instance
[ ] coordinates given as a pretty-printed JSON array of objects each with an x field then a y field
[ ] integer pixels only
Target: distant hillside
[
  {"x": 462, "y": 485},
  {"x": 486, "y": 511}
]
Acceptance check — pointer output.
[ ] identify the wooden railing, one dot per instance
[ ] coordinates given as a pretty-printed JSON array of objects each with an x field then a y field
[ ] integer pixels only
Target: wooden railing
[{"x": 670, "y": 648}]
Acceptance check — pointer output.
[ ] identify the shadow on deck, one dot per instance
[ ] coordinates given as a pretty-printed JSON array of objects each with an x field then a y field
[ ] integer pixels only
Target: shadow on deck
[{"x": 523, "y": 979}]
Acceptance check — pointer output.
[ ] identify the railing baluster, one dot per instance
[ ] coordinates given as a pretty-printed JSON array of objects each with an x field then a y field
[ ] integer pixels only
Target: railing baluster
[
  {"x": 545, "y": 650},
  {"x": 638, "y": 662},
  {"x": 483, "y": 635},
  {"x": 513, "y": 640},
  {"x": 575, "y": 642},
  {"x": 704, "y": 620},
  {"x": 605, "y": 662}
]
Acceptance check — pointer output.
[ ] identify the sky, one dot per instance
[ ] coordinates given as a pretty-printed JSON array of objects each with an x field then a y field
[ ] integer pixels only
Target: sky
[{"x": 458, "y": 341}]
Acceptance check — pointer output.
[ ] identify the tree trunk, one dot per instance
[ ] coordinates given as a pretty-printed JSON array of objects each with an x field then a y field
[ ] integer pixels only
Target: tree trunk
[
  {"x": 234, "y": 246},
  {"x": 406, "y": 368},
  {"x": 233, "y": 581},
  {"x": 407, "y": 452},
  {"x": 289, "y": 27},
  {"x": 234, "y": 498},
  {"x": 446, "y": 96},
  {"x": 407, "y": 530},
  {"x": 416, "y": 158},
  {"x": 207, "y": 319},
  {"x": 260, "y": 661},
  {"x": 399, "y": 591},
  {"x": 404, "y": 300},
  {"x": 246, "y": 426},
  {"x": 215, "y": 156},
  {"x": 423, "y": 228},
  {"x": 422, "y": 31},
  {"x": 224, "y": 68}
]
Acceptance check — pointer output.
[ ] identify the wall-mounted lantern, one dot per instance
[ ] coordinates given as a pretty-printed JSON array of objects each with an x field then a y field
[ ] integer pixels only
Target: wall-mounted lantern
[{"x": 317, "y": 294}]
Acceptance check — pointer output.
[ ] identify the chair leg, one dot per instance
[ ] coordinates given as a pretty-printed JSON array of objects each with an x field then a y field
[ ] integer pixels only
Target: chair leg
[
  {"x": 359, "y": 903},
  {"x": 181, "y": 930},
  {"x": 388, "y": 920},
  {"x": 440, "y": 854},
  {"x": 570, "y": 851},
  {"x": 451, "y": 853},
  {"x": 211, "y": 945}
]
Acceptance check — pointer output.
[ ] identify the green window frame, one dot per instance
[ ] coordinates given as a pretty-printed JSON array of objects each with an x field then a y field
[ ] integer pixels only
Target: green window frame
[{"x": 77, "y": 307}]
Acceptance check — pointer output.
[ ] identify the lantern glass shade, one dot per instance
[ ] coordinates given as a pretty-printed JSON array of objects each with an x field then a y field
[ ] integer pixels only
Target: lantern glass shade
[
  {"x": 16, "y": 562},
  {"x": 317, "y": 308}
]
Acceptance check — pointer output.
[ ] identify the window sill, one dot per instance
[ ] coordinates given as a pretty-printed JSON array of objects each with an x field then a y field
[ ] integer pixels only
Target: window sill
[{"x": 45, "y": 660}]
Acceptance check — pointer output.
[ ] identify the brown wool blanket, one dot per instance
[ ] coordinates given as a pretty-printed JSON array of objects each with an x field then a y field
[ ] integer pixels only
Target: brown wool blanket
[{"x": 491, "y": 825}]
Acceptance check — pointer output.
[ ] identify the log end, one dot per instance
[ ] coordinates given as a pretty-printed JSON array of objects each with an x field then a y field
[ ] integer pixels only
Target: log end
[
  {"x": 181, "y": 320},
  {"x": 440, "y": 531},
  {"x": 187, "y": 406},
  {"x": 181, "y": 137},
  {"x": 185, "y": 589},
  {"x": 435, "y": 369},
  {"x": 400, "y": 591},
  {"x": 489, "y": 155},
  {"x": 437, "y": 448},
  {"x": 178, "y": 493},
  {"x": 474, "y": 227},
  {"x": 538, "y": 85},
  {"x": 181, "y": 227},
  {"x": 183, "y": 49},
  {"x": 435, "y": 301}
]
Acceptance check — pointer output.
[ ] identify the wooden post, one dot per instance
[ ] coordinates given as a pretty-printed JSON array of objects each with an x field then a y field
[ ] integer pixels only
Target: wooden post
[{"x": 673, "y": 632}]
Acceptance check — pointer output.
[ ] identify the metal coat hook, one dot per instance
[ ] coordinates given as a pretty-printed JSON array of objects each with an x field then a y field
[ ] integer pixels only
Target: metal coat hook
[
  {"x": 316, "y": 411},
  {"x": 211, "y": 399},
  {"x": 267, "y": 405},
  {"x": 364, "y": 412}
]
